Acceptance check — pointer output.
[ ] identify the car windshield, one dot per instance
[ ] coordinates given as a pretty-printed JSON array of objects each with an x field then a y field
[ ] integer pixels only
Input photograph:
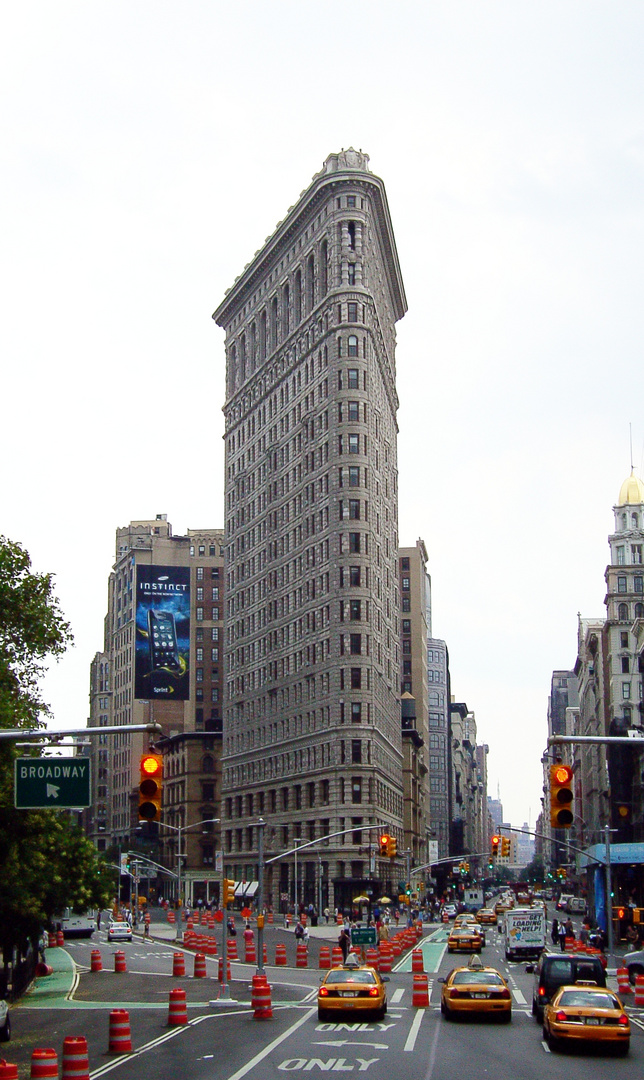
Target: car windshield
[
  {"x": 561, "y": 968},
  {"x": 463, "y": 931},
  {"x": 341, "y": 976},
  {"x": 471, "y": 978},
  {"x": 587, "y": 998}
]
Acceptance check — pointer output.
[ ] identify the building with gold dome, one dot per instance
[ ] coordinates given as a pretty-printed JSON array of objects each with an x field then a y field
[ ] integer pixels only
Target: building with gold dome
[{"x": 610, "y": 778}]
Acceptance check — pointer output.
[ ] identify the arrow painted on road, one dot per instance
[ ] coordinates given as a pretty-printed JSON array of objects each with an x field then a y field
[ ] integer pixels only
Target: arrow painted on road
[
  {"x": 52, "y": 791},
  {"x": 347, "y": 1042}
]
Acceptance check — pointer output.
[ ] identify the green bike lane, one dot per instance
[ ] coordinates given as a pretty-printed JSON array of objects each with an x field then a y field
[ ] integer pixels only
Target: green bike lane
[{"x": 433, "y": 947}]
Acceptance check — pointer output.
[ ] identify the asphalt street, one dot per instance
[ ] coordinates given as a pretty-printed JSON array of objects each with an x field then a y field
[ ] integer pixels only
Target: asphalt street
[{"x": 225, "y": 1042}]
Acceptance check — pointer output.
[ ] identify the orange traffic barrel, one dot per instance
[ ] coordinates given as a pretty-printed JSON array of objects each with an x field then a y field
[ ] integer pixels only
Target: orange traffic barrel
[
  {"x": 261, "y": 1000},
  {"x": 42, "y": 970},
  {"x": 325, "y": 957},
  {"x": 119, "y": 962},
  {"x": 178, "y": 1012},
  {"x": 395, "y": 946},
  {"x": 301, "y": 957},
  {"x": 280, "y": 955},
  {"x": 639, "y": 992},
  {"x": 420, "y": 995},
  {"x": 623, "y": 982},
  {"x": 8, "y": 1071},
  {"x": 52, "y": 941},
  {"x": 178, "y": 965},
  {"x": 232, "y": 949},
  {"x": 200, "y": 966},
  {"x": 269, "y": 918},
  {"x": 44, "y": 1065},
  {"x": 250, "y": 953},
  {"x": 190, "y": 924},
  {"x": 220, "y": 976},
  {"x": 445, "y": 917},
  {"x": 120, "y": 1034},
  {"x": 417, "y": 960},
  {"x": 97, "y": 963},
  {"x": 171, "y": 917},
  {"x": 336, "y": 955},
  {"x": 60, "y": 938},
  {"x": 373, "y": 958},
  {"x": 386, "y": 957},
  {"x": 75, "y": 1058}
]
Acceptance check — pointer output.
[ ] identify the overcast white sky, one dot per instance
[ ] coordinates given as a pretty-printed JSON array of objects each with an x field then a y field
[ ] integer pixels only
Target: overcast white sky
[{"x": 146, "y": 151}]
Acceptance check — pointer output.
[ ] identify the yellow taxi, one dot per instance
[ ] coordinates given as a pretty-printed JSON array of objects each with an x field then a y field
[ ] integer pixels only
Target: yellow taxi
[
  {"x": 475, "y": 989},
  {"x": 486, "y": 916},
  {"x": 588, "y": 1013},
  {"x": 352, "y": 988},
  {"x": 465, "y": 938},
  {"x": 502, "y": 906},
  {"x": 468, "y": 919}
]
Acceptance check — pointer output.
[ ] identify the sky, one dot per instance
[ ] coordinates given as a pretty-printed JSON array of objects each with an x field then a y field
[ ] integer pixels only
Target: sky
[{"x": 147, "y": 149}]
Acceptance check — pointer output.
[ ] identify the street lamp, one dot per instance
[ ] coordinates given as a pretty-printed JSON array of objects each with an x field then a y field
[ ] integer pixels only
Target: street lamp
[{"x": 180, "y": 855}]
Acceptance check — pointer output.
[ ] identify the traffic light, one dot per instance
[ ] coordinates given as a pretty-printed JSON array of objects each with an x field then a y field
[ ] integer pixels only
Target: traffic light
[
  {"x": 392, "y": 847},
  {"x": 505, "y": 846},
  {"x": 150, "y": 786},
  {"x": 496, "y": 840},
  {"x": 384, "y": 845},
  {"x": 561, "y": 797},
  {"x": 466, "y": 868},
  {"x": 228, "y": 891}
]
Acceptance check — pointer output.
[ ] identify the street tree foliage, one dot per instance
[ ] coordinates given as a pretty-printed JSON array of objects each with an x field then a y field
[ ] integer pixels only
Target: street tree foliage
[{"x": 46, "y": 863}]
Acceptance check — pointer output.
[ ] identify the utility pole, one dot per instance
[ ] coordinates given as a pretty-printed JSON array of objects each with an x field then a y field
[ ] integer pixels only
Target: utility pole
[
  {"x": 609, "y": 890},
  {"x": 261, "y": 824}
]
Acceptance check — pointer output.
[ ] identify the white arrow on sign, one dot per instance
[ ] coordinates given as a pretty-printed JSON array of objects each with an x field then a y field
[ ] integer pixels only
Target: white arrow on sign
[{"x": 52, "y": 791}]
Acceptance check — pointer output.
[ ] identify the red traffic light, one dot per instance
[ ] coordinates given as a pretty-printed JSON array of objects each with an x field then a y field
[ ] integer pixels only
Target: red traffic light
[
  {"x": 150, "y": 764},
  {"x": 562, "y": 774}
]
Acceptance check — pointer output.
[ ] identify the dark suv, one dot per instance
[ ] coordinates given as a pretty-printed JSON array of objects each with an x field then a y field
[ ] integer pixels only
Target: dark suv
[{"x": 561, "y": 969}]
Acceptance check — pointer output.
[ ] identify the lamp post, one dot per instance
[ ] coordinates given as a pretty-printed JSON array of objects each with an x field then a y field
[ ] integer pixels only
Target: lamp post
[{"x": 180, "y": 829}]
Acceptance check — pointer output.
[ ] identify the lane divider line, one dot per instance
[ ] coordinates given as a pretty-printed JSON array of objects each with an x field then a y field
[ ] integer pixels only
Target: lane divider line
[{"x": 413, "y": 1031}]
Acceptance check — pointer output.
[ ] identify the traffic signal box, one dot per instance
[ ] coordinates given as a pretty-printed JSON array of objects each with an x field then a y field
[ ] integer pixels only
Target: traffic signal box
[
  {"x": 561, "y": 797},
  {"x": 392, "y": 847},
  {"x": 385, "y": 840},
  {"x": 495, "y": 841},
  {"x": 228, "y": 891},
  {"x": 150, "y": 787},
  {"x": 505, "y": 846}
]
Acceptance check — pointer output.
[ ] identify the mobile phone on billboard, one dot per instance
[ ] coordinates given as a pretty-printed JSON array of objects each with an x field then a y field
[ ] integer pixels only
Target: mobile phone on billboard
[{"x": 162, "y": 633}]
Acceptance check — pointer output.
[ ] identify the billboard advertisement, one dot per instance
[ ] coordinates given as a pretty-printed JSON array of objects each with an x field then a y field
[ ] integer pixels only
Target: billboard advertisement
[{"x": 162, "y": 633}]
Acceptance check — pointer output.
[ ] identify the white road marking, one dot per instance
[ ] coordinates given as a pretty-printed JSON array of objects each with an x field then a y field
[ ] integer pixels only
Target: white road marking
[
  {"x": 413, "y": 1031},
  {"x": 545, "y": 1046},
  {"x": 271, "y": 1046},
  {"x": 518, "y": 996},
  {"x": 397, "y": 996}
]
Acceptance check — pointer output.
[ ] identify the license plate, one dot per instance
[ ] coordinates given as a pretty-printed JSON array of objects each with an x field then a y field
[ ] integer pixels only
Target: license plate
[
  {"x": 592, "y": 1019},
  {"x": 347, "y": 993},
  {"x": 479, "y": 995}
]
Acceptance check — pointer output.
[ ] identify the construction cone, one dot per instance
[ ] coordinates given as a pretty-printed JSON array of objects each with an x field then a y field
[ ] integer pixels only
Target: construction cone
[
  {"x": 75, "y": 1058},
  {"x": 97, "y": 963},
  {"x": 178, "y": 965},
  {"x": 44, "y": 1065},
  {"x": 120, "y": 1035},
  {"x": 178, "y": 1012},
  {"x": 200, "y": 966}
]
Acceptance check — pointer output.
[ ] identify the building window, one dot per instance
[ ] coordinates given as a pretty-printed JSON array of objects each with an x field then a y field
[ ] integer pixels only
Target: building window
[
  {"x": 623, "y": 639},
  {"x": 200, "y": 573},
  {"x": 352, "y": 350},
  {"x": 356, "y": 789},
  {"x": 638, "y": 583},
  {"x": 636, "y": 553},
  {"x": 354, "y": 475},
  {"x": 351, "y": 273},
  {"x": 621, "y": 584},
  {"x": 199, "y": 654},
  {"x": 356, "y": 678},
  {"x": 199, "y": 614},
  {"x": 622, "y": 612},
  {"x": 351, "y": 200},
  {"x": 325, "y": 793},
  {"x": 199, "y": 674},
  {"x": 639, "y": 611},
  {"x": 354, "y": 444},
  {"x": 626, "y": 667},
  {"x": 356, "y": 713},
  {"x": 352, "y": 378},
  {"x": 200, "y": 593},
  {"x": 354, "y": 543},
  {"x": 353, "y": 410},
  {"x": 352, "y": 312},
  {"x": 355, "y": 644},
  {"x": 354, "y": 576},
  {"x": 406, "y": 645},
  {"x": 354, "y": 509},
  {"x": 406, "y": 603},
  {"x": 626, "y": 690},
  {"x": 355, "y": 610},
  {"x": 405, "y": 584}
]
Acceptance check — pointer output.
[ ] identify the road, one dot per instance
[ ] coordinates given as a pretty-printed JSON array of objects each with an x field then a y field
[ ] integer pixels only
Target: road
[{"x": 226, "y": 1043}]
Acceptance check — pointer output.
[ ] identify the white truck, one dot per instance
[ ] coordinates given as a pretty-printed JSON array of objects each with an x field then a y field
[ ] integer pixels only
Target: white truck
[
  {"x": 473, "y": 899},
  {"x": 525, "y": 932}
]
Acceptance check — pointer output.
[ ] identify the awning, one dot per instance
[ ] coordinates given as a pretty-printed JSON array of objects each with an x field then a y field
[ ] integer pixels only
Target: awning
[
  {"x": 620, "y": 854},
  {"x": 246, "y": 888}
]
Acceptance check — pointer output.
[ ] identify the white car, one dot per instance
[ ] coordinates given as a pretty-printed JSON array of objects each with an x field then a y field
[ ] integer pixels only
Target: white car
[
  {"x": 450, "y": 910},
  {"x": 119, "y": 931},
  {"x": 5, "y": 1022}
]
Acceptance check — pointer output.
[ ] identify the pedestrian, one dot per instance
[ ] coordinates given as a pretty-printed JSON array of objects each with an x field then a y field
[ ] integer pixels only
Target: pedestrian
[
  {"x": 98, "y": 919},
  {"x": 570, "y": 930},
  {"x": 299, "y": 930},
  {"x": 232, "y": 930},
  {"x": 554, "y": 933},
  {"x": 305, "y": 936},
  {"x": 326, "y": 915},
  {"x": 344, "y": 941},
  {"x": 562, "y": 935}
]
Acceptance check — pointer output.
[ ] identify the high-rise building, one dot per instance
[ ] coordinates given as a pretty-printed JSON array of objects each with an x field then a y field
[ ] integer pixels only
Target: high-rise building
[
  {"x": 161, "y": 662},
  {"x": 415, "y": 596},
  {"x": 312, "y": 727},
  {"x": 439, "y": 758}
]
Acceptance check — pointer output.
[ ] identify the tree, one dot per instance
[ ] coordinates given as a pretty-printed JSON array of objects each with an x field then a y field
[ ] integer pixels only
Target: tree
[{"x": 47, "y": 863}]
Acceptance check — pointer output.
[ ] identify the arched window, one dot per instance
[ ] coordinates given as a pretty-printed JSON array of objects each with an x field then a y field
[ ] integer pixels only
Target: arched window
[
  {"x": 324, "y": 270},
  {"x": 622, "y": 612},
  {"x": 273, "y": 323},
  {"x": 639, "y": 611},
  {"x": 285, "y": 310},
  {"x": 252, "y": 358},
  {"x": 262, "y": 336},
  {"x": 208, "y": 764},
  {"x": 297, "y": 297},
  {"x": 352, "y": 345},
  {"x": 634, "y": 521},
  {"x": 242, "y": 358},
  {"x": 310, "y": 283}
]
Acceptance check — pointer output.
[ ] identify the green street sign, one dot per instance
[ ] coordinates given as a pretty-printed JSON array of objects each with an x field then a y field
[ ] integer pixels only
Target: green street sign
[
  {"x": 363, "y": 935},
  {"x": 61, "y": 783}
]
